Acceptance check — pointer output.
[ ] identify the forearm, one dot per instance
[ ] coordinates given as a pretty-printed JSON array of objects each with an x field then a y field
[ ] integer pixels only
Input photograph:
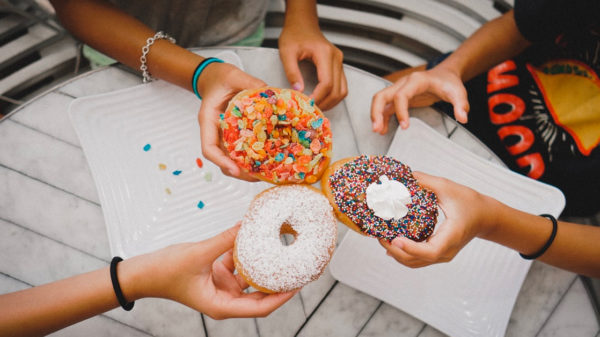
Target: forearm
[
  {"x": 495, "y": 42},
  {"x": 50, "y": 307},
  {"x": 301, "y": 13},
  {"x": 575, "y": 247},
  {"x": 121, "y": 36}
]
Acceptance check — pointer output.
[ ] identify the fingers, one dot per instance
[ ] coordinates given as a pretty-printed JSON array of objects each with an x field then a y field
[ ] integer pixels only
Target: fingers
[
  {"x": 227, "y": 262},
  {"x": 460, "y": 102},
  {"x": 430, "y": 182},
  {"x": 216, "y": 246},
  {"x": 289, "y": 59},
  {"x": 332, "y": 86},
  {"x": 424, "y": 251},
  {"x": 210, "y": 140},
  {"x": 381, "y": 109},
  {"x": 402, "y": 257},
  {"x": 256, "y": 304}
]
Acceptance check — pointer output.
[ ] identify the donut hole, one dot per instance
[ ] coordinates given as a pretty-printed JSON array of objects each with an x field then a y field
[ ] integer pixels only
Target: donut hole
[{"x": 287, "y": 234}]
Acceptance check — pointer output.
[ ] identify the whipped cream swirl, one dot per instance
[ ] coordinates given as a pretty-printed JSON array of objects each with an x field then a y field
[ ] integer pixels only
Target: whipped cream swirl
[{"x": 388, "y": 199}]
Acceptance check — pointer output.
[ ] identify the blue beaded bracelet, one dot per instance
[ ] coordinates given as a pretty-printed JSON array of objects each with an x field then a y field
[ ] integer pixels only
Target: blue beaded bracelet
[{"x": 199, "y": 70}]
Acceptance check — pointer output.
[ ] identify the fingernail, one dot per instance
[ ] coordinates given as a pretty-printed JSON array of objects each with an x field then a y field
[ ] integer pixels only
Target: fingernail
[
  {"x": 404, "y": 124},
  {"x": 462, "y": 114},
  {"x": 296, "y": 86}
]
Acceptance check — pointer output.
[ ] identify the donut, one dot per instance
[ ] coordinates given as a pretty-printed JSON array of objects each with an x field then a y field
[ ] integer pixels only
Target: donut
[
  {"x": 277, "y": 135},
  {"x": 366, "y": 194},
  {"x": 259, "y": 255}
]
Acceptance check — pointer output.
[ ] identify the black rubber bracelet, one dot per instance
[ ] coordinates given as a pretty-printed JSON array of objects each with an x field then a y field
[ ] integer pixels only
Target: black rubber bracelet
[
  {"x": 548, "y": 243},
  {"x": 115, "y": 282}
]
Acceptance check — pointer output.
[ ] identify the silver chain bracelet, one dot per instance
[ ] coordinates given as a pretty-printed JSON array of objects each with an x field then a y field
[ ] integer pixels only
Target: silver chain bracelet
[{"x": 146, "y": 49}]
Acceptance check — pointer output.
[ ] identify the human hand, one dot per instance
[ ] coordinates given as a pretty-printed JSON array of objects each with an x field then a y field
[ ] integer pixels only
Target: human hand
[
  {"x": 467, "y": 216},
  {"x": 190, "y": 274},
  {"x": 418, "y": 89},
  {"x": 301, "y": 42},
  {"x": 218, "y": 83}
]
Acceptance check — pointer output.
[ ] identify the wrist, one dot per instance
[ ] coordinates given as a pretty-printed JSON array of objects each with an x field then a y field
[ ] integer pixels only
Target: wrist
[
  {"x": 134, "y": 274},
  {"x": 207, "y": 76},
  {"x": 453, "y": 66},
  {"x": 492, "y": 217}
]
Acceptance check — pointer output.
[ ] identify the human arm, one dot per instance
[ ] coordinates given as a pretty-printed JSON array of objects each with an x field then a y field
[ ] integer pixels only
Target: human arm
[
  {"x": 301, "y": 39},
  {"x": 470, "y": 214},
  {"x": 187, "y": 273},
  {"x": 494, "y": 42},
  {"x": 115, "y": 33}
]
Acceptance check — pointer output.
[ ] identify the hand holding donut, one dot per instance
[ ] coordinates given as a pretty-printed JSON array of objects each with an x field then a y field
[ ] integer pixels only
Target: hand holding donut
[
  {"x": 218, "y": 83},
  {"x": 466, "y": 214},
  {"x": 191, "y": 274}
]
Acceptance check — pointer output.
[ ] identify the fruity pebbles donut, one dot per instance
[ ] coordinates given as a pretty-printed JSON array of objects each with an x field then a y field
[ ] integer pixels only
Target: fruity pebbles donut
[
  {"x": 259, "y": 255},
  {"x": 379, "y": 197},
  {"x": 277, "y": 135}
]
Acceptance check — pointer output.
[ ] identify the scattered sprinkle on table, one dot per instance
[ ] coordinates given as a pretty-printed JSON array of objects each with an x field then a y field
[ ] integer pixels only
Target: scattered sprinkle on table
[
  {"x": 208, "y": 176},
  {"x": 177, "y": 172},
  {"x": 199, "y": 162},
  {"x": 162, "y": 166},
  {"x": 168, "y": 190},
  {"x": 147, "y": 147},
  {"x": 200, "y": 204}
]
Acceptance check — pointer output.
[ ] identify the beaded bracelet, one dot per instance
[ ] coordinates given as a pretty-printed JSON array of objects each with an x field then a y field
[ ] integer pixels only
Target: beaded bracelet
[
  {"x": 127, "y": 306},
  {"x": 199, "y": 70},
  {"x": 146, "y": 49},
  {"x": 548, "y": 243}
]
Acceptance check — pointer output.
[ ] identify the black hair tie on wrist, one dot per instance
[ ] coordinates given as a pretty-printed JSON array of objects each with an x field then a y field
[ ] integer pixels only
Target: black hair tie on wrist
[
  {"x": 548, "y": 243},
  {"x": 127, "y": 306}
]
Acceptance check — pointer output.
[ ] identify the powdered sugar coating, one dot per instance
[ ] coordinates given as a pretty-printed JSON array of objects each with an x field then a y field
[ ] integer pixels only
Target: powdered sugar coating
[{"x": 268, "y": 262}]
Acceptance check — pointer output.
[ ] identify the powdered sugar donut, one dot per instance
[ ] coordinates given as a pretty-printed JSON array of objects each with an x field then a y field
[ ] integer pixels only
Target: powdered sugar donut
[
  {"x": 277, "y": 135},
  {"x": 259, "y": 255}
]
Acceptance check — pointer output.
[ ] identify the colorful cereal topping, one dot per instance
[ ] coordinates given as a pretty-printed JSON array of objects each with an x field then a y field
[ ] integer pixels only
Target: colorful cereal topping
[
  {"x": 200, "y": 204},
  {"x": 177, "y": 172},
  {"x": 147, "y": 147},
  {"x": 349, "y": 183},
  {"x": 278, "y": 134}
]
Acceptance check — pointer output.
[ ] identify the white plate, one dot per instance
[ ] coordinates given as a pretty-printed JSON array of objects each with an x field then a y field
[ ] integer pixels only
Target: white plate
[
  {"x": 473, "y": 295},
  {"x": 146, "y": 208}
]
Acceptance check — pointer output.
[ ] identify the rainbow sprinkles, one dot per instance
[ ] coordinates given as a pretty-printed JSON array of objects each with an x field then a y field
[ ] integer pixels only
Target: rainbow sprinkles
[{"x": 349, "y": 182}]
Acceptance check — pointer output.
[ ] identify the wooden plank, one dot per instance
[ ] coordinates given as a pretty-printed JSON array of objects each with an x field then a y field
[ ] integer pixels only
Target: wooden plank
[
  {"x": 57, "y": 163},
  {"x": 573, "y": 316},
  {"x": 389, "y": 321},
  {"x": 348, "y": 308},
  {"x": 541, "y": 292}
]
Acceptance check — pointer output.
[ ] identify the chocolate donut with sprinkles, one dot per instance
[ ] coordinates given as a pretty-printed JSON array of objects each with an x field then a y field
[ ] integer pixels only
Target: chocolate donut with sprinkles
[
  {"x": 277, "y": 135},
  {"x": 378, "y": 196}
]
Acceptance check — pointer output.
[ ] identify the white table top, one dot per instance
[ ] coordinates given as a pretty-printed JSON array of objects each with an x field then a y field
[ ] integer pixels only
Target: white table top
[{"x": 53, "y": 226}]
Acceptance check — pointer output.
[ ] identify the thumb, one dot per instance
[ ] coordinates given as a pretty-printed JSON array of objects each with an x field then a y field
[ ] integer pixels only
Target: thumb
[
  {"x": 219, "y": 244},
  {"x": 292, "y": 70},
  {"x": 430, "y": 182},
  {"x": 460, "y": 102}
]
